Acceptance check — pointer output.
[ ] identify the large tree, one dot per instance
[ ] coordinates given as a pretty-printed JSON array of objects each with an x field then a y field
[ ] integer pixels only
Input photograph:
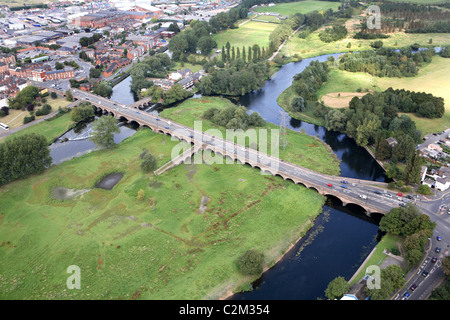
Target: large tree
[
  {"x": 83, "y": 112},
  {"x": 337, "y": 288},
  {"x": 103, "y": 131},
  {"x": 22, "y": 156}
]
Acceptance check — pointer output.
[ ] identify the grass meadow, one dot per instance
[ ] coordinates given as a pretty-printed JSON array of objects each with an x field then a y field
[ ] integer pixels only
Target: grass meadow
[
  {"x": 251, "y": 33},
  {"x": 301, "y": 149},
  {"x": 161, "y": 246},
  {"x": 291, "y": 8}
]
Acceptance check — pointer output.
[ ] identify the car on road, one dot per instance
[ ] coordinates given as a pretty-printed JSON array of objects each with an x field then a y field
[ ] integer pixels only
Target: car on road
[
  {"x": 158, "y": 119},
  {"x": 433, "y": 260},
  {"x": 406, "y": 296},
  {"x": 166, "y": 127},
  {"x": 425, "y": 273},
  {"x": 400, "y": 194},
  {"x": 438, "y": 238},
  {"x": 413, "y": 287},
  {"x": 329, "y": 184},
  {"x": 344, "y": 181},
  {"x": 401, "y": 204},
  {"x": 437, "y": 250},
  {"x": 377, "y": 192},
  {"x": 169, "y": 123},
  {"x": 344, "y": 186},
  {"x": 363, "y": 196},
  {"x": 388, "y": 195},
  {"x": 137, "y": 112}
]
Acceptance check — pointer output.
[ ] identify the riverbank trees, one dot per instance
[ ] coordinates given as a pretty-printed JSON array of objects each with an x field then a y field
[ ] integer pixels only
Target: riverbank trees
[
  {"x": 386, "y": 62},
  {"x": 238, "y": 79}
]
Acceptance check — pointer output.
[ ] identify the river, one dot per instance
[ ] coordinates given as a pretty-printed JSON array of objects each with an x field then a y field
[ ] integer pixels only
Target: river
[{"x": 341, "y": 238}]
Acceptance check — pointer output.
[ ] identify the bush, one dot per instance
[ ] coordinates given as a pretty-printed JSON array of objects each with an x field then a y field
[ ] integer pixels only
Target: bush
[
  {"x": 29, "y": 119},
  {"x": 149, "y": 163},
  {"x": 251, "y": 262}
]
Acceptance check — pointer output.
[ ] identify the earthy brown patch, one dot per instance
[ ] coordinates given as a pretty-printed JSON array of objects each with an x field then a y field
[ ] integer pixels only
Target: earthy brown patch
[{"x": 340, "y": 99}]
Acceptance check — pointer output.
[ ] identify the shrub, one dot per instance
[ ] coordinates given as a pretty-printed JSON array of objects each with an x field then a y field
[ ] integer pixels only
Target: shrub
[
  {"x": 251, "y": 262},
  {"x": 28, "y": 119}
]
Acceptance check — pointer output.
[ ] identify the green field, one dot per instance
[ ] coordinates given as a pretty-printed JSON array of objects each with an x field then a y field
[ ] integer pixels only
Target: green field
[
  {"x": 291, "y": 8},
  {"x": 248, "y": 34},
  {"x": 432, "y": 78},
  {"x": 302, "y": 149},
  {"x": 159, "y": 247}
]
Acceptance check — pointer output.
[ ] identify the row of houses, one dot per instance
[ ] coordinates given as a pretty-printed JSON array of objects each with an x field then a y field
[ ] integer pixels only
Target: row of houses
[{"x": 186, "y": 78}]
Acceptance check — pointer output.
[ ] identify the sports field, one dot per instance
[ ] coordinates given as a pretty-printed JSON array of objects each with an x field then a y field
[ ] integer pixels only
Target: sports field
[
  {"x": 290, "y": 8},
  {"x": 251, "y": 33}
]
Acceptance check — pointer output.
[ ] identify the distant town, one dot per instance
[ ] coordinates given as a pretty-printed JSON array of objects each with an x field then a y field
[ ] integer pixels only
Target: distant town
[{"x": 65, "y": 39}]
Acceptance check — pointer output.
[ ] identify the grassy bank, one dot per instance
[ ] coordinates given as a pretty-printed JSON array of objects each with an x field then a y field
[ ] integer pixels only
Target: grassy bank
[
  {"x": 388, "y": 242},
  {"x": 302, "y": 149},
  {"x": 160, "y": 247}
]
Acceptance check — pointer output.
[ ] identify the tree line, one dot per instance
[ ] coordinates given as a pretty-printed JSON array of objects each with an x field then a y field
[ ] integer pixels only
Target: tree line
[
  {"x": 307, "y": 82},
  {"x": 386, "y": 62}
]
